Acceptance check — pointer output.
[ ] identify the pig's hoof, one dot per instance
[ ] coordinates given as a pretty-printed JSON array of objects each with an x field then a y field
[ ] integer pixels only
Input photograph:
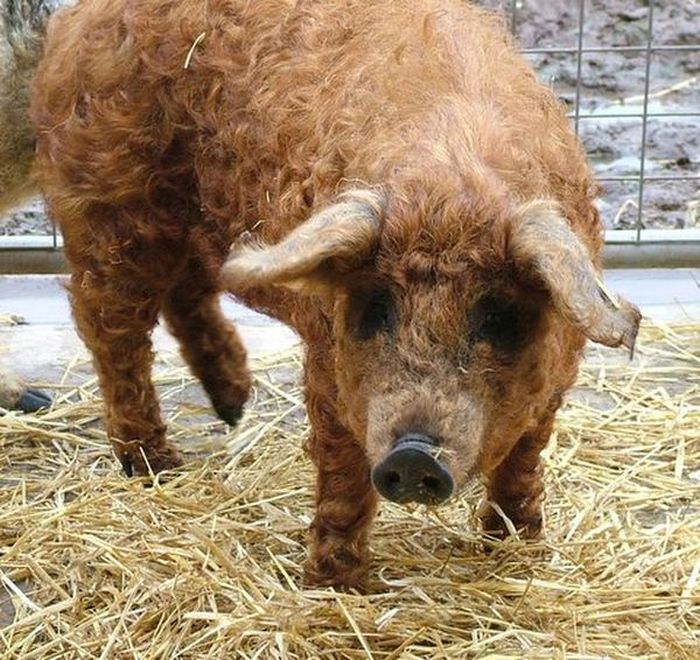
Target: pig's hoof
[
  {"x": 229, "y": 414},
  {"x": 165, "y": 457},
  {"x": 531, "y": 530},
  {"x": 33, "y": 400},
  {"x": 340, "y": 569},
  {"x": 528, "y": 528}
]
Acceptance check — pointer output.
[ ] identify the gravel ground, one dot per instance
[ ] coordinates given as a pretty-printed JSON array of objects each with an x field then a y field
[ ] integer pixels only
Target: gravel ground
[{"x": 610, "y": 83}]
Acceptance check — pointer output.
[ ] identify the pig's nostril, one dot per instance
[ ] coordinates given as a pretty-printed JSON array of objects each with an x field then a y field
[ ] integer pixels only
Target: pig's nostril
[
  {"x": 431, "y": 484},
  {"x": 388, "y": 480},
  {"x": 392, "y": 479}
]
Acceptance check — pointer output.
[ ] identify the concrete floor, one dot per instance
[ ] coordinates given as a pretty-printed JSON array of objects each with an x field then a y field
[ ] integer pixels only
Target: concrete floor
[{"x": 41, "y": 349}]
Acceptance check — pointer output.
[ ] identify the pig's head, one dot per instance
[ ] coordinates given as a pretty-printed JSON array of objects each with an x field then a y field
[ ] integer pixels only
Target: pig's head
[{"x": 457, "y": 327}]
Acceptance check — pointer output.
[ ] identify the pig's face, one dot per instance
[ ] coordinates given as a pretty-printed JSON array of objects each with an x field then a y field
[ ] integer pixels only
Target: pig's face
[
  {"x": 457, "y": 369},
  {"x": 448, "y": 346}
]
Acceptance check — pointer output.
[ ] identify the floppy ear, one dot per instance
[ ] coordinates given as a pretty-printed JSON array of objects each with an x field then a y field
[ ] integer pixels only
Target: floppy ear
[
  {"x": 543, "y": 243},
  {"x": 333, "y": 241}
]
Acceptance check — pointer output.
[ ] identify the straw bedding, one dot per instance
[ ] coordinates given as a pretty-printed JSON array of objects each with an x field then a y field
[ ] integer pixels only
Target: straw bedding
[{"x": 208, "y": 563}]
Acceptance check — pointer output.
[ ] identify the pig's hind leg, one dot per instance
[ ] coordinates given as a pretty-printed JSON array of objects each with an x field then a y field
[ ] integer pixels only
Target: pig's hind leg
[
  {"x": 115, "y": 316},
  {"x": 517, "y": 487},
  {"x": 208, "y": 341},
  {"x": 345, "y": 500}
]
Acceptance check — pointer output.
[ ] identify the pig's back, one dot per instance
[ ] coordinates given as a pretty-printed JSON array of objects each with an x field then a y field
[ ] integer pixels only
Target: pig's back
[{"x": 281, "y": 101}]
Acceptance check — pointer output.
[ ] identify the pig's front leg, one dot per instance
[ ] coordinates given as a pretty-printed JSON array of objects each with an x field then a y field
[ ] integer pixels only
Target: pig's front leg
[
  {"x": 345, "y": 499},
  {"x": 516, "y": 486}
]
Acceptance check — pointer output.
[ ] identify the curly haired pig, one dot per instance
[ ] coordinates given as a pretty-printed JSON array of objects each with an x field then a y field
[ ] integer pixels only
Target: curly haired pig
[{"x": 398, "y": 188}]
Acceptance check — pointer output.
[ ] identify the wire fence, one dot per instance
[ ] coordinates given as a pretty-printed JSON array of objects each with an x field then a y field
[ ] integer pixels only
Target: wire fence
[
  {"x": 629, "y": 71},
  {"x": 620, "y": 81}
]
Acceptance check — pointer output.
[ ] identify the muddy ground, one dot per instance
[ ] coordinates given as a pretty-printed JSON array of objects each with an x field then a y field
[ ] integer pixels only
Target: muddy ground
[
  {"x": 610, "y": 83},
  {"x": 614, "y": 83}
]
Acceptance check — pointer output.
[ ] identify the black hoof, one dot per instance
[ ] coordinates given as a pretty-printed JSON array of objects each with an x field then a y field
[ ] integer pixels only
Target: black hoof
[
  {"x": 229, "y": 414},
  {"x": 127, "y": 466},
  {"x": 168, "y": 458},
  {"x": 33, "y": 400}
]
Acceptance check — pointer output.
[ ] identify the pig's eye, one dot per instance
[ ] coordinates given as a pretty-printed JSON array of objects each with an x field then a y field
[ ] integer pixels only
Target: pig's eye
[
  {"x": 374, "y": 314},
  {"x": 498, "y": 322}
]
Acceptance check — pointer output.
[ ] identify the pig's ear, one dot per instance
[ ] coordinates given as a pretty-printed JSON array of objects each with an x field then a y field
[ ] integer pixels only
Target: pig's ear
[
  {"x": 333, "y": 241},
  {"x": 543, "y": 244}
]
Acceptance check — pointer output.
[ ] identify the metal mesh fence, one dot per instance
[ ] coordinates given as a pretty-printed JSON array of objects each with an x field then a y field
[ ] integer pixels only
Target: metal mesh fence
[{"x": 629, "y": 71}]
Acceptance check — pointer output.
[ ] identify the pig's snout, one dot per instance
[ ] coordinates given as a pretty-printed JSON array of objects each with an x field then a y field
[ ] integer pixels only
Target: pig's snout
[{"x": 411, "y": 472}]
